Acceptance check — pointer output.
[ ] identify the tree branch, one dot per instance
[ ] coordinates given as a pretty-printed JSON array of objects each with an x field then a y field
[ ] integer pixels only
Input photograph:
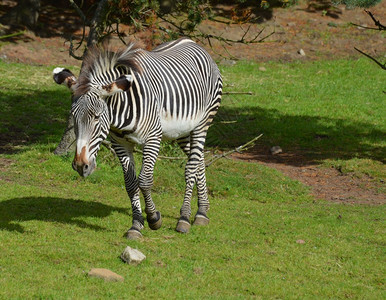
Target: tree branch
[
  {"x": 237, "y": 93},
  {"x": 376, "y": 22},
  {"x": 238, "y": 149},
  {"x": 383, "y": 66},
  {"x": 78, "y": 10},
  {"x": 93, "y": 36},
  {"x": 197, "y": 34}
]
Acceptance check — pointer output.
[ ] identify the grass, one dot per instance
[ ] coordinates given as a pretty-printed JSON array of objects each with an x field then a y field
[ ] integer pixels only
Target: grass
[
  {"x": 326, "y": 110},
  {"x": 56, "y": 226}
]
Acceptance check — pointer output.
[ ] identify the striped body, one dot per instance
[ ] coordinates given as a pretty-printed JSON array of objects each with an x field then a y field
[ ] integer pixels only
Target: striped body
[
  {"x": 176, "y": 90},
  {"x": 141, "y": 97}
]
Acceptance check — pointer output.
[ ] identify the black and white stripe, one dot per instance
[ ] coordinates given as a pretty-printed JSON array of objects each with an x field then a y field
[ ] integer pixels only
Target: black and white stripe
[{"x": 174, "y": 94}]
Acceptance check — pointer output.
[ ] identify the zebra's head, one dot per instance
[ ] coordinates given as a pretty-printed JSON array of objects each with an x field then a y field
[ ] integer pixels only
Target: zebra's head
[{"x": 91, "y": 115}]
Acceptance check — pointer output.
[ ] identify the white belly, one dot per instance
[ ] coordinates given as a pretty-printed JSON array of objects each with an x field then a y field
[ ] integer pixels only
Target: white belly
[{"x": 173, "y": 128}]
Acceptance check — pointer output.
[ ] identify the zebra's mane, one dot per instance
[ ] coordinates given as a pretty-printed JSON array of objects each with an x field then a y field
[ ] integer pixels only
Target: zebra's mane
[{"x": 101, "y": 61}]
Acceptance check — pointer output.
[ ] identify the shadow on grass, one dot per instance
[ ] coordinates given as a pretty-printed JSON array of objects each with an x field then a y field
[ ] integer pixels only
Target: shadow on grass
[
  {"x": 312, "y": 137},
  {"x": 28, "y": 116},
  {"x": 48, "y": 209}
]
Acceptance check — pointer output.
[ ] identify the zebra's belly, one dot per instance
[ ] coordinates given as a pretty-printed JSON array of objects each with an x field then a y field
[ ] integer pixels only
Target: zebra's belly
[{"x": 173, "y": 129}]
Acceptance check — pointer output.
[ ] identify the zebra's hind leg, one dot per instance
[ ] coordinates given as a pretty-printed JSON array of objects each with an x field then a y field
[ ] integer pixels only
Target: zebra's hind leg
[
  {"x": 125, "y": 155},
  {"x": 193, "y": 173},
  {"x": 145, "y": 179},
  {"x": 202, "y": 193},
  {"x": 203, "y": 200},
  {"x": 183, "y": 224}
]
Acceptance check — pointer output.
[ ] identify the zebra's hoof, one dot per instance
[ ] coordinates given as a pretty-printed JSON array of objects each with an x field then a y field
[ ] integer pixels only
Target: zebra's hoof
[
  {"x": 133, "y": 234},
  {"x": 201, "y": 220},
  {"x": 183, "y": 225},
  {"x": 156, "y": 223}
]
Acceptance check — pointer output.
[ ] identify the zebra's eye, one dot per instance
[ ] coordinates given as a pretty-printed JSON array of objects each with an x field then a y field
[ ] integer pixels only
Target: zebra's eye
[{"x": 96, "y": 117}]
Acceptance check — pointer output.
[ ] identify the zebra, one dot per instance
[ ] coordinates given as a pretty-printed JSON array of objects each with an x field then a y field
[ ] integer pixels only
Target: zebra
[{"x": 141, "y": 97}]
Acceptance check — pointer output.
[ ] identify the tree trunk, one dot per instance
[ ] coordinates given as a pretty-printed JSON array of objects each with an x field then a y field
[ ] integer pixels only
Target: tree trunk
[
  {"x": 25, "y": 13},
  {"x": 67, "y": 142}
]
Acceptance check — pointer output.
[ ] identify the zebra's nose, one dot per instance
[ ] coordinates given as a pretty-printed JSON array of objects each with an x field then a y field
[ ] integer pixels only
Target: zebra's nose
[{"x": 82, "y": 169}]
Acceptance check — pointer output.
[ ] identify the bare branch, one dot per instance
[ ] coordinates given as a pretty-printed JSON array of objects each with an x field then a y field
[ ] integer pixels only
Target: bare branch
[
  {"x": 199, "y": 35},
  {"x": 237, "y": 93},
  {"x": 12, "y": 34},
  {"x": 94, "y": 33},
  {"x": 376, "y": 22},
  {"x": 364, "y": 27},
  {"x": 383, "y": 66},
  {"x": 71, "y": 50},
  {"x": 238, "y": 149},
  {"x": 78, "y": 10}
]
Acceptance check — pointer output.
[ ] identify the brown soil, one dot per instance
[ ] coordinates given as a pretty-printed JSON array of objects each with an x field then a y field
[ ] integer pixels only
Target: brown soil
[
  {"x": 325, "y": 183},
  {"x": 321, "y": 34}
]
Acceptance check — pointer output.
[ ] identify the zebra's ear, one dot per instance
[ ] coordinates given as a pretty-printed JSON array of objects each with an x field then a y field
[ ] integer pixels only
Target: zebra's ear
[
  {"x": 64, "y": 76},
  {"x": 122, "y": 84}
]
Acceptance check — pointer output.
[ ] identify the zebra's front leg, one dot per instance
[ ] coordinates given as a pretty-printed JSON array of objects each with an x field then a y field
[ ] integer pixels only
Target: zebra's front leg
[
  {"x": 145, "y": 179},
  {"x": 125, "y": 155}
]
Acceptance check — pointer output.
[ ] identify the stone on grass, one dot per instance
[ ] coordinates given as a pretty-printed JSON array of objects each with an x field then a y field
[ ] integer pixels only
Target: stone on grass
[
  {"x": 105, "y": 274},
  {"x": 275, "y": 150},
  {"x": 227, "y": 62},
  {"x": 301, "y": 52},
  {"x": 132, "y": 256}
]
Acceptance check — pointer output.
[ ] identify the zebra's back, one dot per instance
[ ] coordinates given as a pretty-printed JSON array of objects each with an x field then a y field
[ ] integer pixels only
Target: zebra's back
[{"x": 185, "y": 82}]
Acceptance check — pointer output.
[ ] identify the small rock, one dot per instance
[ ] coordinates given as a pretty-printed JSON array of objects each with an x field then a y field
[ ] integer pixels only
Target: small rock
[
  {"x": 275, "y": 150},
  {"x": 301, "y": 52},
  {"x": 227, "y": 62},
  {"x": 105, "y": 274},
  {"x": 132, "y": 256},
  {"x": 263, "y": 69},
  {"x": 160, "y": 263},
  {"x": 300, "y": 241}
]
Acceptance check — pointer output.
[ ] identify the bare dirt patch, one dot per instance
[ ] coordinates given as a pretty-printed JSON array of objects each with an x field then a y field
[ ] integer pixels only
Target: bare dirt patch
[
  {"x": 5, "y": 163},
  {"x": 326, "y": 183}
]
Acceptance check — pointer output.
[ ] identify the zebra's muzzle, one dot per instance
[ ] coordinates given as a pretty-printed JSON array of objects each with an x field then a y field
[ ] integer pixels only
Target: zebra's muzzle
[
  {"x": 84, "y": 170},
  {"x": 82, "y": 165}
]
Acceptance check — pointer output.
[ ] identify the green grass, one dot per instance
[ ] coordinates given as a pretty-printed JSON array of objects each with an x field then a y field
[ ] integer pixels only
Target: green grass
[
  {"x": 56, "y": 226},
  {"x": 326, "y": 110}
]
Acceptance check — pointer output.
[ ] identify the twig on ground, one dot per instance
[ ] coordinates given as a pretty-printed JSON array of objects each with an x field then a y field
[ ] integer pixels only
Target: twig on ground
[
  {"x": 237, "y": 93},
  {"x": 12, "y": 34},
  {"x": 239, "y": 149}
]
